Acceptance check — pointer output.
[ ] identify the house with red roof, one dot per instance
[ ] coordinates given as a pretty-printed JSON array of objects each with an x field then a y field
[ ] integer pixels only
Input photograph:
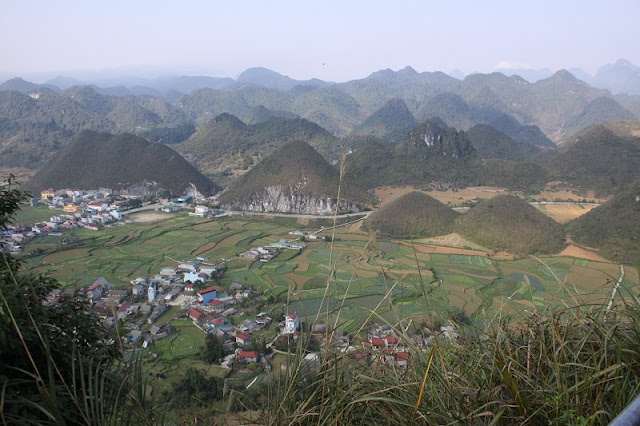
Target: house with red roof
[
  {"x": 123, "y": 310},
  {"x": 402, "y": 359},
  {"x": 98, "y": 206},
  {"x": 377, "y": 343},
  {"x": 208, "y": 294},
  {"x": 248, "y": 356},
  {"x": 195, "y": 315},
  {"x": 95, "y": 291},
  {"x": 391, "y": 342},
  {"x": 217, "y": 305},
  {"x": 243, "y": 339}
]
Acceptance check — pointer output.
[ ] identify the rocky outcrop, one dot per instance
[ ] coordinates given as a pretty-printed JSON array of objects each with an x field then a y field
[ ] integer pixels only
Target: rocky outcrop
[
  {"x": 277, "y": 199},
  {"x": 429, "y": 140}
]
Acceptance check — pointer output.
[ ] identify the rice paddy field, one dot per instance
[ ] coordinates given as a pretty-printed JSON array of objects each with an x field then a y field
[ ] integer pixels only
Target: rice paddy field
[{"x": 396, "y": 279}]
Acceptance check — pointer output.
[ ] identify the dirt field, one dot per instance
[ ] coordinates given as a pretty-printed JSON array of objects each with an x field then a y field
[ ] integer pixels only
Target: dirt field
[
  {"x": 386, "y": 194},
  {"x": 148, "y": 217},
  {"x": 566, "y": 195},
  {"x": 575, "y": 251},
  {"x": 443, "y": 250},
  {"x": 468, "y": 194},
  {"x": 563, "y": 213},
  {"x": 452, "y": 240}
]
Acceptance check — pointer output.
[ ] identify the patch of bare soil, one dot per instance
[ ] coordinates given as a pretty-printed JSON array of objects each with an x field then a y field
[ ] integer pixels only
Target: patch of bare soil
[
  {"x": 148, "y": 217},
  {"x": 575, "y": 251}
]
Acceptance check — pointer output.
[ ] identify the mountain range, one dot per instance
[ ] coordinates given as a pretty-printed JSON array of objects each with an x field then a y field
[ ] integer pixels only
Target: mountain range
[{"x": 38, "y": 119}]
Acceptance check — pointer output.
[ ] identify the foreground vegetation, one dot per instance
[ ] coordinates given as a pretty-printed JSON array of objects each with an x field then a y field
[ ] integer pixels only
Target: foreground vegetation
[{"x": 577, "y": 365}]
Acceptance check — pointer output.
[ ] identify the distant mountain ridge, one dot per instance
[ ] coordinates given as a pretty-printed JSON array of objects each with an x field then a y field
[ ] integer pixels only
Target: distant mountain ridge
[
  {"x": 378, "y": 106},
  {"x": 392, "y": 121}
]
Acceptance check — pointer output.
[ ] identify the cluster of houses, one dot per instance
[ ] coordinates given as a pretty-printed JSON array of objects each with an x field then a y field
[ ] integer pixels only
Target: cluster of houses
[
  {"x": 307, "y": 235},
  {"x": 72, "y": 201},
  {"x": 213, "y": 315},
  {"x": 268, "y": 252},
  {"x": 263, "y": 254},
  {"x": 14, "y": 237},
  {"x": 90, "y": 211}
]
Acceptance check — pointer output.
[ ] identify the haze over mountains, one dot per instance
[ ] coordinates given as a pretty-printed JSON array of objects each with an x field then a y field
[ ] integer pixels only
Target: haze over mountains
[
  {"x": 398, "y": 126},
  {"x": 38, "y": 119}
]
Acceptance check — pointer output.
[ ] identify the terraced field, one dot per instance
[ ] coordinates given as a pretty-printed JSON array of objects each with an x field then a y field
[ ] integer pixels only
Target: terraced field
[{"x": 397, "y": 279}]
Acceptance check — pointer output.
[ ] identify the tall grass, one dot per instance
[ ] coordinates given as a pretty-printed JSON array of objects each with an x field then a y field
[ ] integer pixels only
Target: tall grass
[{"x": 578, "y": 365}]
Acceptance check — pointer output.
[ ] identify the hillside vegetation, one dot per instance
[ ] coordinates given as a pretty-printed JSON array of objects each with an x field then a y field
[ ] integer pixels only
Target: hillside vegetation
[
  {"x": 225, "y": 142},
  {"x": 434, "y": 154},
  {"x": 491, "y": 143},
  {"x": 391, "y": 122},
  {"x": 509, "y": 223},
  {"x": 95, "y": 160},
  {"x": 597, "y": 158},
  {"x": 297, "y": 168},
  {"x": 414, "y": 215},
  {"x": 614, "y": 227}
]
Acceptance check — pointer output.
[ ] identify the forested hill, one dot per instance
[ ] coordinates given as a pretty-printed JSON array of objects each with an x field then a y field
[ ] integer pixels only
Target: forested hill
[{"x": 101, "y": 160}]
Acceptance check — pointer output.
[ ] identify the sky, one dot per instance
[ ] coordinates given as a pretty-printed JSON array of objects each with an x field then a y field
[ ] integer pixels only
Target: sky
[{"x": 330, "y": 40}]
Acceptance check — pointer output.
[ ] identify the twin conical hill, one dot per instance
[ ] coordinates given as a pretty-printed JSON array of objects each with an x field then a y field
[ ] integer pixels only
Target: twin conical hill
[
  {"x": 414, "y": 215},
  {"x": 614, "y": 227},
  {"x": 296, "y": 179},
  {"x": 509, "y": 223},
  {"x": 101, "y": 160}
]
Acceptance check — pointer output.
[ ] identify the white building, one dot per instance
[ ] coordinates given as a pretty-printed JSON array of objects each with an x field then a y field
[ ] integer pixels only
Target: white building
[
  {"x": 193, "y": 277},
  {"x": 291, "y": 323},
  {"x": 152, "y": 292},
  {"x": 200, "y": 211}
]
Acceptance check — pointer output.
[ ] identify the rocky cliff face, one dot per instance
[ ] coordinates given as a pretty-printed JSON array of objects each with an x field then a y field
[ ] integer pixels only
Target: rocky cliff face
[
  {"x": 428, "y": 140},
  {"x": 281, "y": 200}
]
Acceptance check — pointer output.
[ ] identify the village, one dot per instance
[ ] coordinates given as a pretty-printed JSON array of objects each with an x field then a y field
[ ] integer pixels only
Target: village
[
  {"x": 191, "y": 290},
  {"x": 80, "y": 209},
  {"x": 231, "y": 314}
]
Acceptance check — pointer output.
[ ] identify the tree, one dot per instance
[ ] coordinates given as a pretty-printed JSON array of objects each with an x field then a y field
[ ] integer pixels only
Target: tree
[
  {"x": 195, "y": 387},
  {"x": 43, "y": 347},
  {"x": 212, "y": 350}
]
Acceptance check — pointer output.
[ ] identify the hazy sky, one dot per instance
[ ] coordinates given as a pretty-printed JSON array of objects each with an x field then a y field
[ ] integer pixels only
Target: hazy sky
[{"x": 330, "y": 40}]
